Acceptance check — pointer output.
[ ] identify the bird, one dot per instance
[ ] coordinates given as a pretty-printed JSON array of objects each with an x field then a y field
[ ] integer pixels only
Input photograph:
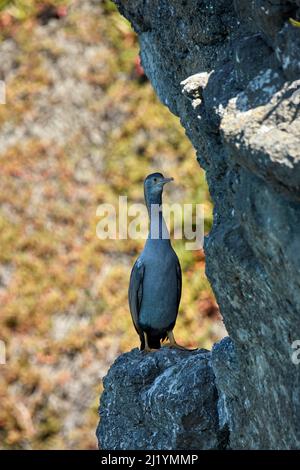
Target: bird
[{"x": 156, "y": 280}]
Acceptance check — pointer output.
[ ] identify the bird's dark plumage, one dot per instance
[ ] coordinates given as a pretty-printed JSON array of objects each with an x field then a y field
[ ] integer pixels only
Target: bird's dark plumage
[
  {"x": 155, "y": 282},
  {"x": 135, "y": 295}
]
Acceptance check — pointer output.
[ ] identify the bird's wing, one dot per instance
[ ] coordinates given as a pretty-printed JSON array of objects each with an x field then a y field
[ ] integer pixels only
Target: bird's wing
[
  {"x": 135, "y": 292},
  {"x": 179, "y": 282}
]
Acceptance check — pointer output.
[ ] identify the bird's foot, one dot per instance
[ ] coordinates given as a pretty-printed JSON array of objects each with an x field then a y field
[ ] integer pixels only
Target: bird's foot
[
  {"x": 174, "y": 345},
  {"x": 149, "y": 350},
  {"x": 177, "y": 346}
]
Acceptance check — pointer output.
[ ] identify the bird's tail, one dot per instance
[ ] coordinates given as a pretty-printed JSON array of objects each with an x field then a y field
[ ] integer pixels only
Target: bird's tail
[
  {"x": 153, "y": 341},
  {"x": 142, "y": 342}
]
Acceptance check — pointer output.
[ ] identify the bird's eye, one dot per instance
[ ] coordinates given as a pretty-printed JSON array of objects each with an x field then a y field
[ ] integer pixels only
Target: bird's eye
[{"x": 154, "y": 179}]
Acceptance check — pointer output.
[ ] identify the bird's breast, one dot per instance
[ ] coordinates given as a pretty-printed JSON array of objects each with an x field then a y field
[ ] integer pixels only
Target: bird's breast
[{"x": 160, "y": 297}]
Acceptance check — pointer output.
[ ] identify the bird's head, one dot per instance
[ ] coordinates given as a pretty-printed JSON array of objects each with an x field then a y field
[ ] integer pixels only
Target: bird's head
[
  {"x": 153, "y": 188},
  {"x": 154, "y": 185}
]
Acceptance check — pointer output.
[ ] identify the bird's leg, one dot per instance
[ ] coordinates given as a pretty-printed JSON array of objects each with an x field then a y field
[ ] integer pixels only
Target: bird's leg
[
  {"x": 173, "y": 343},
  {"x": 147, "y": 347}
]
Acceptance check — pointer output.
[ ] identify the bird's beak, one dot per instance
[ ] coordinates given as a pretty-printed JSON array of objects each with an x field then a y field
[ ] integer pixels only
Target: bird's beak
[{"x": 166, "y": 180}]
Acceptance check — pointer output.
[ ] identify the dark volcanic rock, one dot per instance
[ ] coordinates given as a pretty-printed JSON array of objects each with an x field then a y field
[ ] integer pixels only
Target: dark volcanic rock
[
  {"x": 230, "y": 71},
  {"x": 162, "y": 400}
]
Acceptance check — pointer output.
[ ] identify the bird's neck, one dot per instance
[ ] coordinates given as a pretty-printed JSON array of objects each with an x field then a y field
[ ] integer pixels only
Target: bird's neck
[{"x": 158, "y": 228}]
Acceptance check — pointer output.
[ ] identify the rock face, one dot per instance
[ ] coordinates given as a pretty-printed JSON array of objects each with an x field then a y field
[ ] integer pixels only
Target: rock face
[
  {"x": 231, "y": 71},
  {"x": 162, "y": 400}
]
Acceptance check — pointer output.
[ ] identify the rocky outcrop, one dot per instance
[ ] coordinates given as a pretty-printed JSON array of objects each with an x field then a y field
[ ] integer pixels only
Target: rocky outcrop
[
  {"x": 230, "y": 70},
  {"x": 162, "y": 400}
]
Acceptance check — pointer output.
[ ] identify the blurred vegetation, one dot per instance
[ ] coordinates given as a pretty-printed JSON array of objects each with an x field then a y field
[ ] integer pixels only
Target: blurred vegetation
[{"x": 63, "y": 292}]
